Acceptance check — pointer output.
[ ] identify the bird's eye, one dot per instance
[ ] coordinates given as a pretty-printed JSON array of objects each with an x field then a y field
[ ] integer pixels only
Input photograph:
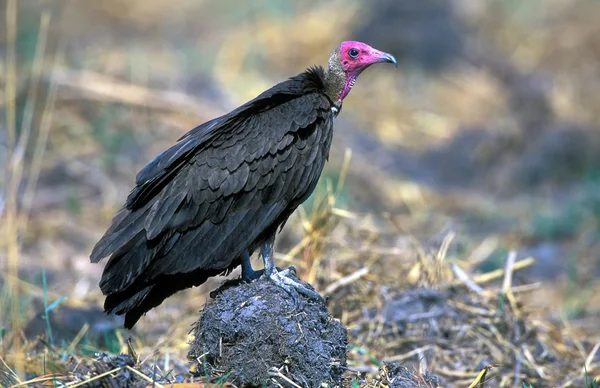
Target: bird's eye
[{"x": 353, "y": 52}]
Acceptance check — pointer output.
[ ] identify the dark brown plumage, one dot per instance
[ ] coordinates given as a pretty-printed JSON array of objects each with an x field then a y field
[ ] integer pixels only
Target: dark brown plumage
[{"x": 203, "y": 206}]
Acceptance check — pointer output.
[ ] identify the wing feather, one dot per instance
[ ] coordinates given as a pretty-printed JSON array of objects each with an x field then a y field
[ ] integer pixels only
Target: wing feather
[
  {"x": 215, "y": 194},
  {"x": 162, "y": 213}
]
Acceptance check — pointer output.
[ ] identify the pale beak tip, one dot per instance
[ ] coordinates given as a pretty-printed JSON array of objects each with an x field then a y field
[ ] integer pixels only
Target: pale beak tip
[{"x": 389, "y": 58}]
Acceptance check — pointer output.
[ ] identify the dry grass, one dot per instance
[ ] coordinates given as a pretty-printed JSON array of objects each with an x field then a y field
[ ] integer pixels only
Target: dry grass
[
  {"x": 446, "y": 319},
  {"x": 452, "y": 321}
]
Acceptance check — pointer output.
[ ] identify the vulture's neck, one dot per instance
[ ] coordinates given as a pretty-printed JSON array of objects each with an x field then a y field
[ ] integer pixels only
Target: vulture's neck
[{"x": 335, "y": 80}]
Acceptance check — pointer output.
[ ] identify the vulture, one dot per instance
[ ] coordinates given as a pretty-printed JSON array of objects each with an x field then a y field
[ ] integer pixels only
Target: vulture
[{"x": 202, "y": 207}]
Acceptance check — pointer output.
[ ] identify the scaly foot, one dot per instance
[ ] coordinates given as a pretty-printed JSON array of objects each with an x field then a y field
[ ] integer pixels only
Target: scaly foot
[
  {"x": 291, "y": 286},
  {"x": 282, "y": 278}
]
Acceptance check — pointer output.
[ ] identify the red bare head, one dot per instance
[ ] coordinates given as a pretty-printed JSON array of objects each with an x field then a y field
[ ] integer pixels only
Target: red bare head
[
  {"x": 352, "y": 58},
  {"x": 357, "y": 56}
]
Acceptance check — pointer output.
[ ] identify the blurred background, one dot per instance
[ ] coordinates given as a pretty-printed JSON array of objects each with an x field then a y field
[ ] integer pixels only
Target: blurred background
[{"x": 485, "y": 140}]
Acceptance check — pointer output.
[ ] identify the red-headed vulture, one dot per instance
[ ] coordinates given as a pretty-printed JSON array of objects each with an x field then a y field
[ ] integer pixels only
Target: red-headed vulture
[{"x": 203, "y": 206}]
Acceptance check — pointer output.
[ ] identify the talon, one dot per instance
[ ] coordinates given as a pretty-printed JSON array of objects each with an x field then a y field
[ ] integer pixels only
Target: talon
[
  {"x": 279, "y": 276},
  {"x": 292, "y": 286}
]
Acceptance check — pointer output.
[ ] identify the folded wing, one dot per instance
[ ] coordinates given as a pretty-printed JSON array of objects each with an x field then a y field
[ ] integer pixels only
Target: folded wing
[{"x": 220, "y": 191}]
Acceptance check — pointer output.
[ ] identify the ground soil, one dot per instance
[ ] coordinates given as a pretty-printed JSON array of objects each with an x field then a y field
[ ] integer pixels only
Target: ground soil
[{"x": 258, "y": 334}]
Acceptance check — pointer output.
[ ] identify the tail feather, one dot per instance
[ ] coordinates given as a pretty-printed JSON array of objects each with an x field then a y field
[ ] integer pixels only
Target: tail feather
[
  {"x": 123, "y": 228},
  {"x": 128, "y": 302},
  {"x": 126, "y": 244},
  {"x": 140, "y": 297},
  {"x": 125, "y": 265}
]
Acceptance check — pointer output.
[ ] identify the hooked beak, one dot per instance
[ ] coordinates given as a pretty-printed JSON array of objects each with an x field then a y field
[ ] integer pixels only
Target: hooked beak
[
  {"x": 388, "y": 58},
  {"x": 381, "y": 57}
]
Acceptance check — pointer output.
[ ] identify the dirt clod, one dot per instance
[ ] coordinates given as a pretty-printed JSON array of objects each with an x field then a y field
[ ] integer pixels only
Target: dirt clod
[
  {"x": 257, "y": 334},
  {"x": 394, "y": 375}
]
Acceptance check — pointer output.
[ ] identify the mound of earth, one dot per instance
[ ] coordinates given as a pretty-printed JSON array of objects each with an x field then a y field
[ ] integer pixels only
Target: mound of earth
[{"x": 257, "y": 334}]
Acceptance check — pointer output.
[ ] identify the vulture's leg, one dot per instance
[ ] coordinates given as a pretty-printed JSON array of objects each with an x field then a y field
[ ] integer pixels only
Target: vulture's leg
[
  {"x": 248, "y": 274},
  {"x": 267, "y": 256},
  {"x": 281, "y": 277}
]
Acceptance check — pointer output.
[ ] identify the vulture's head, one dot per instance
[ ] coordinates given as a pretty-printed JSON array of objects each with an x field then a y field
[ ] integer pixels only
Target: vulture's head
[{"x": 346, "y": 63}]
